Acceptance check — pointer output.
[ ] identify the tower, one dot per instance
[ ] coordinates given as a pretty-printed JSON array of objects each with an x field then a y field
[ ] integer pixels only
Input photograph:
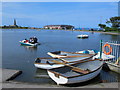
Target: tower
[{"x": 14, "y": 22}]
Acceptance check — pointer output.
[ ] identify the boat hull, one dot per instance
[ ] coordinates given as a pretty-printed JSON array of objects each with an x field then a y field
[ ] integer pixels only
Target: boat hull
[
  {"x": 28, "y": 44},
  {"x": 113, "y": 67},
  {"x": 73, "y": 80},
  {"x": 69, "y": 75},
  {"x": 42, "y": 62},
  {"x": 82, "y": 36},
  {"x": 47, "y": 66}
]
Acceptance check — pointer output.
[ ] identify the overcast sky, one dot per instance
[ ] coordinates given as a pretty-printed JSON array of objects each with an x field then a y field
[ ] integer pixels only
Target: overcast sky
[{"x": 38, "y": 14}]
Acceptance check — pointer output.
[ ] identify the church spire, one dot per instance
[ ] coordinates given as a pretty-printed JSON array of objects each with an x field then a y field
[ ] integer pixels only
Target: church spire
[{"x": 14, "y": 22}]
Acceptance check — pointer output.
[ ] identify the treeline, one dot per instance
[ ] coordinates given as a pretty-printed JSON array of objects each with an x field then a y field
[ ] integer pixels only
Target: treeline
[
  {"x": 18, "y": 28},
  {"x": 112, "y": 24}
]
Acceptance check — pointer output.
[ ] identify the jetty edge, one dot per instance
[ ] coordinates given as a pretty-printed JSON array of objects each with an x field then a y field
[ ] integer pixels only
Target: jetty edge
[{"x": 9, "y": 74}]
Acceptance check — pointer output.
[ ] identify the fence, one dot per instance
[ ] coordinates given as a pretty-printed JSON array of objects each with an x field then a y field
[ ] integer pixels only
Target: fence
[{"x": 112, "y": 48}]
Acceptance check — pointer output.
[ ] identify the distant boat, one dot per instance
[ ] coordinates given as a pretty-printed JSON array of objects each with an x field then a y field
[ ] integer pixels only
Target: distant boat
[
  {"x": 28, "y": 44},
  {"x": 57, "y": 54},
  {"x": 82, "y": 36},
  {"x": 81, "y": 72},
  {"x": 47, "y": 63}
]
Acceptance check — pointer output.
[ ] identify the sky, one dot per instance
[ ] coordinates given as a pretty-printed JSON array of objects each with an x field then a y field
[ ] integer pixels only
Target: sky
[{"x": 39, "y": 14}]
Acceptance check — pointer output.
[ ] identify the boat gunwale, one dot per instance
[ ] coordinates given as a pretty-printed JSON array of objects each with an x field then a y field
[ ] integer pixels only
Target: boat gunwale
[
  {"x": 74, "y": 62},
  {"x": 71, "y": 53},
  {"x": 113, "y": 64}
]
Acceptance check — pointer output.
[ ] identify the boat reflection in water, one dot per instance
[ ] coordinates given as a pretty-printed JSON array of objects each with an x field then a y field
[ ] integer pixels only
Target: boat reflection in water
[
  {"x": 32, "y": 48},
  {"x": 41, "y": 73}
]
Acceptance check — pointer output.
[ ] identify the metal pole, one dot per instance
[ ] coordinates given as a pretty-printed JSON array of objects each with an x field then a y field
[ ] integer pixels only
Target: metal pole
[{"x": 100, "y": 49}]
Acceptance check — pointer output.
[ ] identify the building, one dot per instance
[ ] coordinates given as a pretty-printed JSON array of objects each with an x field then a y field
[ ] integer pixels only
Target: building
[{"x": 58, "y": 27}]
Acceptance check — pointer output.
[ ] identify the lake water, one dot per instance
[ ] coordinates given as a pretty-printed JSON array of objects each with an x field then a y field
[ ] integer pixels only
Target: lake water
[{"x": 15, "y": 56}]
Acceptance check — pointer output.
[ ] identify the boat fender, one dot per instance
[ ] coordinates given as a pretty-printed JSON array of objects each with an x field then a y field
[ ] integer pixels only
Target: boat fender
[{"x": 110, "y": 49}]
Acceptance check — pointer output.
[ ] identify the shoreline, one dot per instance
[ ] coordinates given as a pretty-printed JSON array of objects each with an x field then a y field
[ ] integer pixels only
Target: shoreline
[
  {"x": 111, "y": 33},
  {"x": 17, "y": 84}
]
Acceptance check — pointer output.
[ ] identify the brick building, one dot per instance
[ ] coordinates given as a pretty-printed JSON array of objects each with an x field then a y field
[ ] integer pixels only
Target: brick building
[{"x": 58, "y": 27}]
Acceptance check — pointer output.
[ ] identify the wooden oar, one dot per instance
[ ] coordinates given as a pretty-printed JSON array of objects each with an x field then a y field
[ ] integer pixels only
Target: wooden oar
[
  {"x": 77, "y": 56},
  {"x": 70, "y": 57},
  {"x": 64, "y": 60},
  {"x": 73, "y": 68}
]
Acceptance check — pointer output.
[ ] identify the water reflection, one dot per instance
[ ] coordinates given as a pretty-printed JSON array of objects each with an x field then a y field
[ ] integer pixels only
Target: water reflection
[
  {"x": 92, "y": 32},
  {"x": 31, "y": 48},
  {"x": 41, "y": 73},
  {"x": 81, "y": 38}
]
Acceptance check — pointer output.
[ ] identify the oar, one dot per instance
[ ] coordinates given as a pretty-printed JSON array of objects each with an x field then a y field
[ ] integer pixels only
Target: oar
[
  {"x": 69, "y": 57},
  {"x": 77, "y": 56},
  {"x": 73, "y": 68},
  {"x": 64, "y": 60}
]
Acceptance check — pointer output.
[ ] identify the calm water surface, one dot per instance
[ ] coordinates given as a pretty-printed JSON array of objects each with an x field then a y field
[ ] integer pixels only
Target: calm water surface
[{"x": 15, "y": 56}]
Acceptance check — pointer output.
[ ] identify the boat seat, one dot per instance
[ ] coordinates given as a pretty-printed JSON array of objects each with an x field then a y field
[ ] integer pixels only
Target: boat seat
[{"x": 49, "y": 63}]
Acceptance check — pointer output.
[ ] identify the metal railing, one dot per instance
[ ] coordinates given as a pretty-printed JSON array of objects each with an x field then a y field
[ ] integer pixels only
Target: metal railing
[{"x": 115, "y": 45}]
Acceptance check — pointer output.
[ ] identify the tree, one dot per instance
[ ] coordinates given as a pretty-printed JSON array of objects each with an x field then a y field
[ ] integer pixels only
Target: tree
[
  {"x": 114, "y": 21},
  {"x": 102, "y": 25}
]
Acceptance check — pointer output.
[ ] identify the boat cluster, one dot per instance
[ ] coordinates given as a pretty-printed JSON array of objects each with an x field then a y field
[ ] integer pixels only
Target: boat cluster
[{"x": 71, "y": 67}]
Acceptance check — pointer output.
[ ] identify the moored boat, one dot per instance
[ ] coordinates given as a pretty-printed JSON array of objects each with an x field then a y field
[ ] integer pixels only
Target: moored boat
[
  {"x": 60, "y": 54},
  {"x": 47, "y": 63},
  {"x": 82, "y": 36},
  {"x": 79, "y": 72},
  {"x": 28, "y": 44},
  {"x": 103, "y": 56}
]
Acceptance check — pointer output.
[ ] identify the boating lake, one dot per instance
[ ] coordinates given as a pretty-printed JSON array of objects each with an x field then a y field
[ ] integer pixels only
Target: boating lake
[{"x": 16, "y": 56}]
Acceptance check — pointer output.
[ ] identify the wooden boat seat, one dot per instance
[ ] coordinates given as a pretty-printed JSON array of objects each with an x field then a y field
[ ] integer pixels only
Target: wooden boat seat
[
  {"x": 80, "y": 71},
  {"x": 64, "y": 54}
]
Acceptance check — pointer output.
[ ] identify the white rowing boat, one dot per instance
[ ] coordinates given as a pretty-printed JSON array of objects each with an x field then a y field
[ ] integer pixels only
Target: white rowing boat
[
  {"x": 47, "y": 63},
  {"x": 82, "y": 36},
  {"x": 61, "y": 54},
  {"x": 103, "y": 56},
  {"x": 71, "y": 75}
]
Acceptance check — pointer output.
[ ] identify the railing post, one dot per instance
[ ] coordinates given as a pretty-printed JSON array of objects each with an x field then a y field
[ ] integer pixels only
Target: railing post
[{"x": 100, "y": 49}]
